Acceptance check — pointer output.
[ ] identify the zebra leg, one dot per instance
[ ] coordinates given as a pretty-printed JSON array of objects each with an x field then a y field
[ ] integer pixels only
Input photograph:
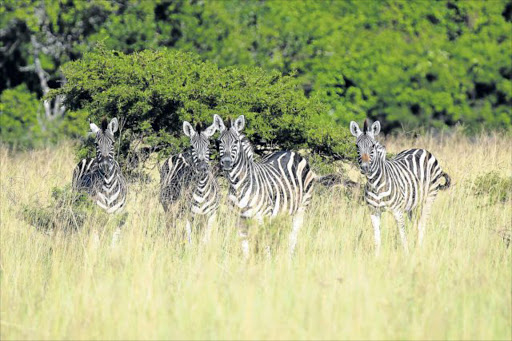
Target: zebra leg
[
  {"x": 95, "y": 239},
  {"x": 298, "y": 220},
  {"x": 259, "y": 220},
  {"x": 116, "y": 236},
  {"x": 209, "y": 226},
  {"x": 243, "y": 233},
  {"x": 399, "y": 217},
  {"x": 375, "y": 217},
  {"x": 425, "y": 213},
  {"x": 188, "y": 231}
]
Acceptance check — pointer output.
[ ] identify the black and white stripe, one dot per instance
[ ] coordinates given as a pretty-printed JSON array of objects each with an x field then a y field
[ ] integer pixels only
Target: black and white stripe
[
  {"x": 101, "y": 176},
  {"x": 408, "y": 181},
  {"x": 187, "y": 183},
  {"x": 282, "y": 182}
]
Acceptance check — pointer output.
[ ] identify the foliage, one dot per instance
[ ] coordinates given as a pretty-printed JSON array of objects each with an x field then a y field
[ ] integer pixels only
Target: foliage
[
  {"x": 66, "y": 212},
  {"x": 408, "y": 63},
  {"x": 18, "y": 121},
  {"x": 152, "y": 93},
  {"x": 498, "y": 188},
  {"x": 22, "y": 124}
]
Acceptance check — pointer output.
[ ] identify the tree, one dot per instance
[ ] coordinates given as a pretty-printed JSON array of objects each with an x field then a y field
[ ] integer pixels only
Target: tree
[
  {"x": 153, "y": 92},
  {"x": 408, "y": 63},
  {"x": 36, "y": 38}
]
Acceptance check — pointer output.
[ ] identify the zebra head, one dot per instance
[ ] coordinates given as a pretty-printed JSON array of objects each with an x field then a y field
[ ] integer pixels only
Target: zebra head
[
  {"x": 105, "y": 144},
  {"x": 200, "y": 142},
  {"x": 367, "y": 147},
  {"x": 231, "y": 139}
]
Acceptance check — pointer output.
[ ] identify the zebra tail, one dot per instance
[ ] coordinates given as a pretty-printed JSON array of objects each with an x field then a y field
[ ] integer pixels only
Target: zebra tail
[
  {"x": 447, "y": 181},
  {"x": 331, "y": 180}
]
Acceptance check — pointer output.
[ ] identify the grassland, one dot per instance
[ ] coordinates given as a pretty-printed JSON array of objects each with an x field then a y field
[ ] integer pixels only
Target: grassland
[{"x": 457, "y": 286}]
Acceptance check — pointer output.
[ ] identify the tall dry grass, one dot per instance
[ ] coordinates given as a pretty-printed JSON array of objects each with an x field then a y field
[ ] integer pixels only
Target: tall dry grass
[{"x": 457, "y": 286}]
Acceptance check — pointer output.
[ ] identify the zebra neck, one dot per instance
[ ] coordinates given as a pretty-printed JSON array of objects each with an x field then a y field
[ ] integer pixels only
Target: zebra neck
[
  {"x": 243, "y": 168},
  {"x": 378, "y": 168},
  {"x": 109, "y": 176},
  {"x": 202, "y": 180}
]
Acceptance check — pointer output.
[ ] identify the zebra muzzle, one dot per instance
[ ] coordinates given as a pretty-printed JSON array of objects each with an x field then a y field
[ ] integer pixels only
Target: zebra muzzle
[
  {"x": 226, "y": 163},
  {"x": 105, "y": 167},
  {"x": 365, "y": 167},
  {"x": 202, "y": 167}
]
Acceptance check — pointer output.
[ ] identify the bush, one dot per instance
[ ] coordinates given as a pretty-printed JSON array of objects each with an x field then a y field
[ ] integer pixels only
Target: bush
[
  {"x": 18, "y": 122},
  {"x": 153, "y": 92},
  {"x": 23, "y": 125},
  {"x": 411, "y": 64},
  {"x": 67, "y": 211},
  {"x": 497, "y": 187}
]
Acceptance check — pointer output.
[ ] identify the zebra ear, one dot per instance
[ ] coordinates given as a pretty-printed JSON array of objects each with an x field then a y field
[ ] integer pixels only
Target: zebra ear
[
  {"x": 188, "y": 129},
  {"x": 94, "y": 128},
  {"x": 208, "y": 132},
  {"x": 240, "y": 123},
  {"x": 113, "y": 125},
  {"x": 219, "y": 123},
  {"x": 375, "y": 128},
  {"x": 354, "y": 129}
]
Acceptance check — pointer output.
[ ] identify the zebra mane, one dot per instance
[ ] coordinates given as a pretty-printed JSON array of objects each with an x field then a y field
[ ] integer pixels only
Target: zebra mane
[
  {"x": 365, "y": 126},
  {"x": 247, "y": 146},
  {"x": 104, "y": 124},
  {"x": 199, "y": 127}
]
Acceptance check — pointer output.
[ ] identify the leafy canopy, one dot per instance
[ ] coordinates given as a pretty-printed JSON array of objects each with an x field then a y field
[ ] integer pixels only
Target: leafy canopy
[
  {"x": 411, "y": 64},
  {"x": 153, "y": 92}
]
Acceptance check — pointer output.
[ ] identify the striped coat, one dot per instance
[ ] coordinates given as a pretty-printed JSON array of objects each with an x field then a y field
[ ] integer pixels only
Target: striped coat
[
  {"x": 187, "y": 183},
  {"x": 409, "y": 181},
  {"x": 404, "y": 182},
  {"x": 183, "y": 189},
  {"x": 282, "y": 182},
  {"x": 101, "y": 177}
]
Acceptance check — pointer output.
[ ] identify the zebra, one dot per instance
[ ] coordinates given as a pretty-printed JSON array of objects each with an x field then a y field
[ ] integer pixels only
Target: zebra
[
  {"x": 187, "y": 183},
  {"x": 101, "y": 177},
  {"x": 282, "y": 182},
  {"x": 402, "y": 184}
]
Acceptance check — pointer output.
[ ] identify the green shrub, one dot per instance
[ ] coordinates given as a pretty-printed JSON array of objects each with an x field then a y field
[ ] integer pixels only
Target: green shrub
[
  {"x": 67, "y": 211},
  {"x": 153, "y": 92},
  {"x": 497, "y": 187},
  {"x": 19, "y": 124},
  {"x": 23, "y": 124},
  {"x": 412, "y": 64}
]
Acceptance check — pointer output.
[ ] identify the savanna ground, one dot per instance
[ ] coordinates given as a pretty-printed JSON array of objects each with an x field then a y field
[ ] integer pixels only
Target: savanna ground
[{"x": 457, "y": 286}]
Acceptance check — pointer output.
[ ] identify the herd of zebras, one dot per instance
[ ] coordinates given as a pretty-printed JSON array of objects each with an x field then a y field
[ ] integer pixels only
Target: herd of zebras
[{"x": 281, "y": 182}]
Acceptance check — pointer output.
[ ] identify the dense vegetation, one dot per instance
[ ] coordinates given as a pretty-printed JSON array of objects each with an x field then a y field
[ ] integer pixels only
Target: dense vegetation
[
  {"x": 409, "y": 63},
  {"x": 154, "y": 92}
]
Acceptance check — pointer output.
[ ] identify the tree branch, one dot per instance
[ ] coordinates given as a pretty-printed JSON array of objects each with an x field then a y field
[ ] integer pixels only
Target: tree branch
[{"x": 58, "y": 109}]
